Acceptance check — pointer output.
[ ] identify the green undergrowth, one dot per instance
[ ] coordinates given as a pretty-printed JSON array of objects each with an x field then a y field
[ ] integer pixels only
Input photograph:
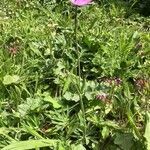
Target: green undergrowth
[{"x": 40, "y": 93}]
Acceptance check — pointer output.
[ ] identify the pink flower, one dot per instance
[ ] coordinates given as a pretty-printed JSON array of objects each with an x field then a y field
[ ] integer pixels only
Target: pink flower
[
  {"x": 80, "y": 2},
  {"x": 102, "y": 96},
  {"x": 13, "y": 50}
]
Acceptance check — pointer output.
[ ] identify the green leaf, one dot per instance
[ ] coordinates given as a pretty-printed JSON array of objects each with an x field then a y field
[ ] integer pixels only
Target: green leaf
[
  {"x": 66, "y": 84},
  {"x": 88, "y": 95},
  {"x": 31, "y": 144},
  {"x": 77, "y": 147},
  {"x": 110, "y": 124},
  {"x": 5, "y": 132},
  {"x": 125, "y": 141},
  {"x": 135, "y": 35},
  {"x": 53, "y": 101},
  {"x": 34, "y": 103},
  {"x": 147, "y": 130},
  {"x": 32, "y": 131},
  {"x": 75, "y": 97},
  {"x": 58, "y": 70},
  {"x": 35, "y": 48},
  {"x": 105, "y": 132},
  {"x": 72, "y": 97},
  {"x": 30, "y": 105},
  {"x": 67, "y": 95},
  {"x": 8, "y": 79}
]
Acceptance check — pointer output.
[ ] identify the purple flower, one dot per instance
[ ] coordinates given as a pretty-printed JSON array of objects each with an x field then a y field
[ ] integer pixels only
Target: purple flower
[
  {"x": 102, "y": 96},
  {"x": 140, "y": 83},
  {"x": 118, "y": 81},
  {"x": 80, "y": 2}
]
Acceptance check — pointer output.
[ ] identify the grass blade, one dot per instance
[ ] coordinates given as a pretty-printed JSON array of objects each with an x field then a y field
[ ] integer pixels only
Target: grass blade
[{"x": 31, "y": 144}]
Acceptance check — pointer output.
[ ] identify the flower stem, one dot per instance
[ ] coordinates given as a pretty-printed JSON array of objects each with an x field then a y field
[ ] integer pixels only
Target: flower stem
[
  {"x": 76, "y": 25},
  {"x": 79, "y": 71}
]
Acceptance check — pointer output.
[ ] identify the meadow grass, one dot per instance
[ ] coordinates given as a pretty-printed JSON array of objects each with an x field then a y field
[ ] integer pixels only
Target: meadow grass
[{"x": 41, "y": 91}]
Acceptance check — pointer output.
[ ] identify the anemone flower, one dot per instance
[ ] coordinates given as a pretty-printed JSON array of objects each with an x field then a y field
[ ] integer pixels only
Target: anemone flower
[{"x": 80, "y": 2}]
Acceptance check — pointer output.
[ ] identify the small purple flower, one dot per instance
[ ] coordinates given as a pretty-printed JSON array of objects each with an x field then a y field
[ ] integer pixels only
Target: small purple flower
[
  {"x": 102, "y": 96},
  {"x": 80, "y": 2},
  {"x": 13, "y": 50},
  {"x": 118, "y": 81},
  {"x": 140, "y": 83}
]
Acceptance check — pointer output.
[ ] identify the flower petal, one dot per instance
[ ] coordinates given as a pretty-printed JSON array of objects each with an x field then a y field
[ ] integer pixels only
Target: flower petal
[{"x": 80, "y": 2}]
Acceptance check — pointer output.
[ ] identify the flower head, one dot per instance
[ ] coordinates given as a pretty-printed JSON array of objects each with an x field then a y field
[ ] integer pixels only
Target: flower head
[
  {"x": 141, "y": 83},
  {"x": 102, "y": 96},
  {"x": 80, "y": 2},
  {"x": 13, "y": 50}
]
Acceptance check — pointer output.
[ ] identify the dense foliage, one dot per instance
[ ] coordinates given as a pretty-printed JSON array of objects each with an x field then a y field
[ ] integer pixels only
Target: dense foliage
[
  {"x": 142, "y": 6},
  {"x": 45, "y": 104}
]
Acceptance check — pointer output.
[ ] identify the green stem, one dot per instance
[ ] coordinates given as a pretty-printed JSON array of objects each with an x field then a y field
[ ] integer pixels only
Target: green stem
[
  {"x": 131, "y": 121},
  {"x": 79, "y": 71},
  {"x": 76, "y": 25}
]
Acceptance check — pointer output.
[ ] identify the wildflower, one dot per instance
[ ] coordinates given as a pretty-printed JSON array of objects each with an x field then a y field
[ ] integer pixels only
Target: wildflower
[
  {"x": 102, "y": 96},
  {"x": 13, "y": 50},
  {"x": 140, "y": 83},
  {"x": 80, "y": 2},
  {"x": 13, "y": 45},
  {"x": 117, "y": 81}
]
